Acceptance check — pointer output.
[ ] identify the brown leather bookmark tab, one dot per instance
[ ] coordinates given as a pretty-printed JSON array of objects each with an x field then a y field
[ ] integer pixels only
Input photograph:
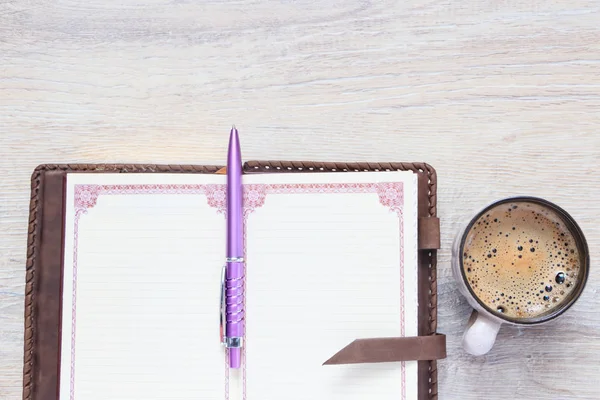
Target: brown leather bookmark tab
[
  {"x": 429, "y": 233},
  {"x": 378, "y": 350}
]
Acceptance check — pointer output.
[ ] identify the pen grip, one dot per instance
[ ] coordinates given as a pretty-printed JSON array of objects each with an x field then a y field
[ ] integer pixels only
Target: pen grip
[{"x": 234, "y": 299}]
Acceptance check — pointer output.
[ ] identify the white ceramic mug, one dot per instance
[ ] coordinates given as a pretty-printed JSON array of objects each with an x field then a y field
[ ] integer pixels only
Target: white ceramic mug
[{"x": 483, "y": 326}]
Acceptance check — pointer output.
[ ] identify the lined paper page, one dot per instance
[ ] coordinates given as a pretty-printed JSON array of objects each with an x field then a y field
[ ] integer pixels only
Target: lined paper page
[
  {"x": 322, "y": 270},
  {"x": 140, "y": 310}
]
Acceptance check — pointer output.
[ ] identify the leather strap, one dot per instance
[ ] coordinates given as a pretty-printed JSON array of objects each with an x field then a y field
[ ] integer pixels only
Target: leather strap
[
  {"x": 429, "y": 233},
  {"x": 393, "y": 349}
]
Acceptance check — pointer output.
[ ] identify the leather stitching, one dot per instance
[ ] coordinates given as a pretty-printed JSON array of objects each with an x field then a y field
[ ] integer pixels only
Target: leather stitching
[{"x": 29, "y": 344}]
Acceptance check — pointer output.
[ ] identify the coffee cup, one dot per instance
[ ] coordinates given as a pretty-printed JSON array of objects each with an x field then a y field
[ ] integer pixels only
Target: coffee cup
[{"x": 520, "y": 261}]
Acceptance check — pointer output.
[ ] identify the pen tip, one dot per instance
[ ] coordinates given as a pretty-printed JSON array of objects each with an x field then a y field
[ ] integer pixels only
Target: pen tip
[{"x": 233, "y": 128}]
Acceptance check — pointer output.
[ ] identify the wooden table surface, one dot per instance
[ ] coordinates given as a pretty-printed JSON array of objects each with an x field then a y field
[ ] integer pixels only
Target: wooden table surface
[{"x": 501, "y": 97}]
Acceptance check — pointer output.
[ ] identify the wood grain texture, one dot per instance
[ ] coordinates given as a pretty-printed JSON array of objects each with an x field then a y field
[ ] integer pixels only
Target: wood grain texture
[{"x": 501, "y": 97}]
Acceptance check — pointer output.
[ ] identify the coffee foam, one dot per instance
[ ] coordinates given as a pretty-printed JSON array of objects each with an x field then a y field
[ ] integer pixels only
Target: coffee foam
[{"x": 521, "y": 260}]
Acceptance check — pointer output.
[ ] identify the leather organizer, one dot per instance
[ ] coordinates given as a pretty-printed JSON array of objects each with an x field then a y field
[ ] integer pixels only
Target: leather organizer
[{"x": 44, "y": 271}]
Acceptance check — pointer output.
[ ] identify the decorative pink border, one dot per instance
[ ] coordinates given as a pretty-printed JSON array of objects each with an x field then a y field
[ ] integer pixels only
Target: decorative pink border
[
  {"x": 390, "y": 195},
  {"x": 86, "y": 196}
]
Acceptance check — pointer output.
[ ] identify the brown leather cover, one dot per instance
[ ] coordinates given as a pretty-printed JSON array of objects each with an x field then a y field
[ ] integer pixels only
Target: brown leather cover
[{"x": 44, "y": 269}]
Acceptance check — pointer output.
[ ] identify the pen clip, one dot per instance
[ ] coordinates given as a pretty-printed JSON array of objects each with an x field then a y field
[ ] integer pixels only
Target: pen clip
[{"x": 222, "y": 309}]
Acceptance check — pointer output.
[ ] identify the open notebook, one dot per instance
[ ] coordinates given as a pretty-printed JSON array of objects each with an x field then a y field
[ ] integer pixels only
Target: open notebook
[{"x": 330, "y": 258}]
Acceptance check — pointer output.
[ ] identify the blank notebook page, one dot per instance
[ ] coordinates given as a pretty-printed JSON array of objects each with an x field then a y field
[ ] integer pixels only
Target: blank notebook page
[
  {"x": 330, "y": 258},
  {"x": 142, "y": 265}
]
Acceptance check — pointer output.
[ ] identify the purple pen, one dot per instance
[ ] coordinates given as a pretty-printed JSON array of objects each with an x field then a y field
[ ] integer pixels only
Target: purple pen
[{"x": 234, "y": 267}]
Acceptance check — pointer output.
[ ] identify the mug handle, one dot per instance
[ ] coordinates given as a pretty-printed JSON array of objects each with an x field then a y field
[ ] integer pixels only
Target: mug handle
[{"x": 480, "y": 335}]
